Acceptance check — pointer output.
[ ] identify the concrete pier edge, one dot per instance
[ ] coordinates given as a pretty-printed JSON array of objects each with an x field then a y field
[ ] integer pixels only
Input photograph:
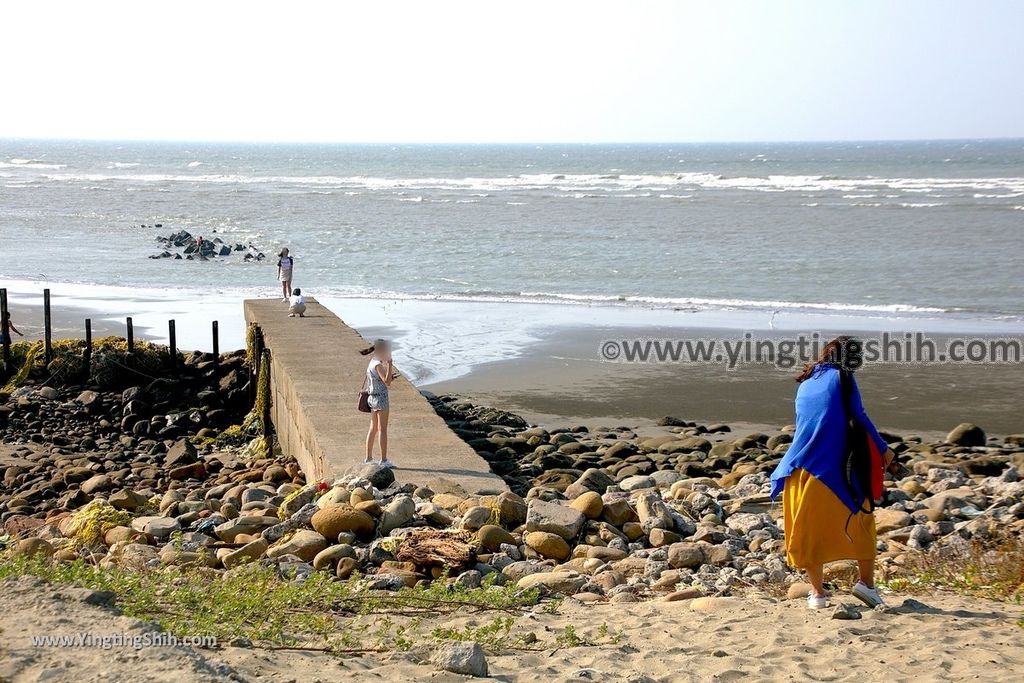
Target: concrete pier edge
[{"x": 316, "y": 372}]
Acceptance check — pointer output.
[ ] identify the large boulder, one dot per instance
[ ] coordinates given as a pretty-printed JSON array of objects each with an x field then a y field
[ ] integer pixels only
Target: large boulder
[
  {"x": 136, "y": 556},
  {"x": 96, "y": 483},
  {"x": 618, "y": 512},
  {"x": 127, "y": 500},
  {"x": 31, "y": 547},
  {"x": 250, "y": 525},
  {"x": 334, "y": 519},
  {"x": 159, "y": 528},
  {"x": 397, "y": 513},
  {"x": 589, "y": 504},
  {"x": 511, "y": 509},
  {"x": 250, "y": 552},
  {"x": 491, "y": 536},
  {"x": 591, "y": 480},
  {"x": 463, "y": 657},
  {"x": 554, "y": 518},
  {"x": 304, "y": 544},
  {"x": 548, "y": 545},
  {"x": 378, "y": 475},
  {"x": 685, "y": 555},
  {"x": 181, "y": 453},
  {"x": 966, "y": 434},
  {"x": 329, "y": 557},
  {"x": 299, "y": 500},
  {"x": 653, "y": 512},
  {"x": 553, "y": 582},
  {"x": 890, "y": 520},
  {"x": 637, "y": 482},
  {"x": 91, "y": 400}
]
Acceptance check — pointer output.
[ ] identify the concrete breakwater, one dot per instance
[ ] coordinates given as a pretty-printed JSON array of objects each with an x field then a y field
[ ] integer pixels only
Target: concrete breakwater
[{"x": 316, "y": 372}]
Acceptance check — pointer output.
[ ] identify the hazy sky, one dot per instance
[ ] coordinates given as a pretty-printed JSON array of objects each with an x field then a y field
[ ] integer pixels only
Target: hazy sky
[{"x": 523, "y": 71}]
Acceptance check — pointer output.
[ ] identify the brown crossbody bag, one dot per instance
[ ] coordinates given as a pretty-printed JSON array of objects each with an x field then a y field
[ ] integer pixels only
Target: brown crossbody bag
[{"x": 363, "y": 402}]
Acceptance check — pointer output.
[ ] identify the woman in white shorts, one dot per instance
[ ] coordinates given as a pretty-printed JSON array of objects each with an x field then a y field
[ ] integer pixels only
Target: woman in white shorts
[
  {"x": 380, "y": 373},
  {"x": 284, "y": 273}
]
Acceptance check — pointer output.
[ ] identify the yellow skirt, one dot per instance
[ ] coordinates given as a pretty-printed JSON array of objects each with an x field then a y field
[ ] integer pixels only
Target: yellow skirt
[{"x": 816, "y": 528}]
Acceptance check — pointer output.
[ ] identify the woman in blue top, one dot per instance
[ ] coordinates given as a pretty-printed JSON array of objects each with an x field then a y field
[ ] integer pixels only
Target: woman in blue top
[{"x": 827, "y": 512}]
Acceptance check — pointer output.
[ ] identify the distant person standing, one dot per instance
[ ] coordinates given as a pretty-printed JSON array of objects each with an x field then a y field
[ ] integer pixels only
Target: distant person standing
[
  {"x": 380, "y": 373},
  {"x": 284, "y": 272},
  {"x": 8, "y": 327}
]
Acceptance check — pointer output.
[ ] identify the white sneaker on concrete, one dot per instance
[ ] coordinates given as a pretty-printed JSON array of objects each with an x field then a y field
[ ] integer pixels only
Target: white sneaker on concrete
[
  {"x": 817, "y": 601},
  {"x": 869, "y": 596},
  {"x": 387, "y": 463}
]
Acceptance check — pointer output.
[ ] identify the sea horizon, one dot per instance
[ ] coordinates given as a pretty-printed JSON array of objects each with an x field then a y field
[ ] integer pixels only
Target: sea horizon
[{"x": 482, "y": 143}]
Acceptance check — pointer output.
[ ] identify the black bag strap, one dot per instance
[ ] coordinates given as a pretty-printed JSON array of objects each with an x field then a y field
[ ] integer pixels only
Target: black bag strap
[
  {"x": 854, "y": 430},
  {"x": 846, "y": 391}
]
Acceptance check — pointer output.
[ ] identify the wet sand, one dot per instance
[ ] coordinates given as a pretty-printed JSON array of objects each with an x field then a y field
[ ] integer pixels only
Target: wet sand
[
  {"x": 563, "y": 379},
  {"x": 68, "y": 323}
]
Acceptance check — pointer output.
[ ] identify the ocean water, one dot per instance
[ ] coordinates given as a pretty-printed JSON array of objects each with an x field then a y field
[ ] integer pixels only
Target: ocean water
[{"x": 896, "y": 230}]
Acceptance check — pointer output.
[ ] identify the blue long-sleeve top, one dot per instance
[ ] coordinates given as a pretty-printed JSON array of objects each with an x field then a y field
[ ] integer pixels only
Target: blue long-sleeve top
[{"x": 819, "y": 443}]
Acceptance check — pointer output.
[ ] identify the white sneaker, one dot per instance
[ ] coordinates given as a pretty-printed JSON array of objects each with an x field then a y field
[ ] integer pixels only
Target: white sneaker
[
  {"x": 387, "y": 463},
  {"x": 817, "y": 601},
  {"x": 869, "y": 596}
]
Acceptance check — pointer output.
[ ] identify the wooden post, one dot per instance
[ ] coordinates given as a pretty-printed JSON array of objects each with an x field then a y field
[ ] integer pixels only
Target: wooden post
[
  {"x": 216, "y": 346},
  {"x": 5, "y": 333},
  {"x": 87, "y": 359},
  {"x": 172, "y": 344},
  {"x": 130, "y": 336},
  {"x": 47, "y": 327}
]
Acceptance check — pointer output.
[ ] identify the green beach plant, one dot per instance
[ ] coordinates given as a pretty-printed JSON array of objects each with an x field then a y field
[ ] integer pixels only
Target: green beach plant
[{"x": 255, "y": 603}]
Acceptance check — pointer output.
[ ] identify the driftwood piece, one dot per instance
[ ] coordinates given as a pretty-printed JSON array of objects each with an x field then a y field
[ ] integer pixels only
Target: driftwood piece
[{"x": 436, "y": 548}]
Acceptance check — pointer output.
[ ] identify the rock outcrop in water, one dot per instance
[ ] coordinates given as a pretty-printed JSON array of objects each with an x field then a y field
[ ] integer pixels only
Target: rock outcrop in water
[{"x": 184, "y": 245}]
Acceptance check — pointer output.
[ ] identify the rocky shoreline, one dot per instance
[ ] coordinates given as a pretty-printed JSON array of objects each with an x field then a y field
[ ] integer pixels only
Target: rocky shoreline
[{"x": 136, "y": 478}]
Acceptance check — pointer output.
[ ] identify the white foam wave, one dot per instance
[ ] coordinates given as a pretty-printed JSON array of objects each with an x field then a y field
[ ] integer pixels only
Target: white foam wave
[
  {"x": 195, "y": 164},
  {"x": 593, "y": 185},
  {"x": 31, "y": 163},
  {"x": 735, "y": 303},
  {"x": 122, "y": 164}
]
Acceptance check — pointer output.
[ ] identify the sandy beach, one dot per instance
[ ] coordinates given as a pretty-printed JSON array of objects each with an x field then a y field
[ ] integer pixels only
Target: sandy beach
[{"x": 932, "y": 638}]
